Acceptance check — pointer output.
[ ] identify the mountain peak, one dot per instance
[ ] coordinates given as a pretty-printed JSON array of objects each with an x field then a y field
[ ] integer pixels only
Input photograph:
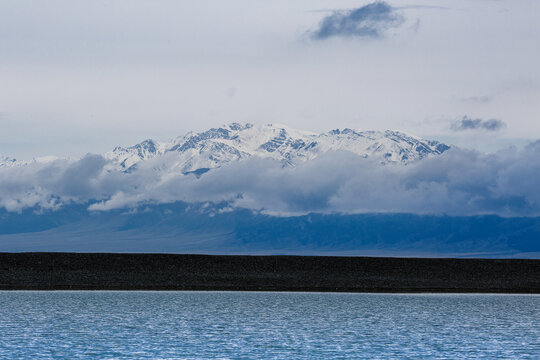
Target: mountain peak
[
  {"x": 216, "y": 147},
  {"x": 6, "y": 161}
]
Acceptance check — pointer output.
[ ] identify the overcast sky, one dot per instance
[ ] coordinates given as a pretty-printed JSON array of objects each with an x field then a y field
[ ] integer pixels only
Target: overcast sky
[{"x": 85, "y": 76}]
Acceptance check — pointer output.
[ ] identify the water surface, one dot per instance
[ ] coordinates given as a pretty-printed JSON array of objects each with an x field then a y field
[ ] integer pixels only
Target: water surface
[{"x": 242, "y": 325}]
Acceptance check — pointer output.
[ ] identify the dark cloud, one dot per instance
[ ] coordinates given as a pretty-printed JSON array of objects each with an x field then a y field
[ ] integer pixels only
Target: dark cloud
[
  {"x": 458, "y": 182},
  {"x": 370, "y": 21},
  {"x": 467, "y": 123}
]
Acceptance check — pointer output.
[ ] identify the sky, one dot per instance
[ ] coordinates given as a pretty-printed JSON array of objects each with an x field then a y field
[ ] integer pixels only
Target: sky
[{"x": 81, "y": 77}]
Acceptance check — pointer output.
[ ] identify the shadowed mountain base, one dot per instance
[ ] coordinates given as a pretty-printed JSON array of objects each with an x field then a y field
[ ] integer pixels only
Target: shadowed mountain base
[{"x": 107, "y": 271}]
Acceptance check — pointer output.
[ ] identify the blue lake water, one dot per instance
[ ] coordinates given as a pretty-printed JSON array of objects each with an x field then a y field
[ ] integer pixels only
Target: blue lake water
[{"x": 243, "y": 325}]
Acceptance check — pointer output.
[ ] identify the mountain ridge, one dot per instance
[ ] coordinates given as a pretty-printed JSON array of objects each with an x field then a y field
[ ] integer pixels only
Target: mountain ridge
[
  {"x": 198, "y": 151},
  {"x": 196, "y": 228}
]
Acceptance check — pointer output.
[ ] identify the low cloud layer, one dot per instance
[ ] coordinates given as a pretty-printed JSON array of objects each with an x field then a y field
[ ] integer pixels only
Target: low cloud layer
[
  {"x": 467, "y": 123},
  {"x": 369, "y": 21},
  {"x": 459, "y": 182}
]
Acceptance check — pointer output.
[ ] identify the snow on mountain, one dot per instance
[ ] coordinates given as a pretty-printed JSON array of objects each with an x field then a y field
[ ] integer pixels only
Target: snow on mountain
[
  {"x": 125, "y": 158},
  {"x": 199, "y": 152},
  {"x": 6, "y": 161}
]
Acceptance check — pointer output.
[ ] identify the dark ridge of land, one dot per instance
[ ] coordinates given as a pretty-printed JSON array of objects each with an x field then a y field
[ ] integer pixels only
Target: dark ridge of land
[{"x": 114, "y": 271}]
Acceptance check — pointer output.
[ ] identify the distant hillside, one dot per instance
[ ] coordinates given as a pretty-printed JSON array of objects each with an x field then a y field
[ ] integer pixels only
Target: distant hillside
[{"x": 189, "y": 228}]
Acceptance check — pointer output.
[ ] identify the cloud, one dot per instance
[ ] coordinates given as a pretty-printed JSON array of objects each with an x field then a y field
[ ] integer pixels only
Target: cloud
[
  {"x": 467, "y": 123},
  {"x": 458, "y": 182},
  {"x": 369, "y": 21}
]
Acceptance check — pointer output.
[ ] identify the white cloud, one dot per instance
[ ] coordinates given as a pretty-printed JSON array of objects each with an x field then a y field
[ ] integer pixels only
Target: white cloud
[{"x": 459, "y": 182}]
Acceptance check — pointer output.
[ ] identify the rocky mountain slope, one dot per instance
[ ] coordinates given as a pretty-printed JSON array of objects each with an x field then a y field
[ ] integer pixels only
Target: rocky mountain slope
[{"x": 199, "y": 152}]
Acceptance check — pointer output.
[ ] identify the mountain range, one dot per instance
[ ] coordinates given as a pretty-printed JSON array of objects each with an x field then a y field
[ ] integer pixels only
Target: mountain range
[
  {"x": 205, "y": 229},
  {"x": 197, "y": 152},
  {"x": 142, "y": 198}
]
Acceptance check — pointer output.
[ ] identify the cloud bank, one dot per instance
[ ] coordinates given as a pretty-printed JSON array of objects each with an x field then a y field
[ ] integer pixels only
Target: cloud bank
[
  {"x": 369, "y": 21},
  {"x": 459, "y": 182},
  {"x": 467, "y": 123}
]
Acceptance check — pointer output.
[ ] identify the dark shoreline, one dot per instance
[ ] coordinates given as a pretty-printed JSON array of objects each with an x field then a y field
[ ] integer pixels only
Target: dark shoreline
[{"x": 116, "y": 271}]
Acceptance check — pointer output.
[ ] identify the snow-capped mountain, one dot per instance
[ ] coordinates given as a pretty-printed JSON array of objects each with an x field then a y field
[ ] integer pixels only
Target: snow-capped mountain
[
  {"x": 8, "y": 162},
  {"x": 199, "y": 152}
]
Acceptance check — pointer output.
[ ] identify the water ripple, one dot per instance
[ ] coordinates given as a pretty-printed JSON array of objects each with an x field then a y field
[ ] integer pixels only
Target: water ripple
[{"x": 241, "y": 325}]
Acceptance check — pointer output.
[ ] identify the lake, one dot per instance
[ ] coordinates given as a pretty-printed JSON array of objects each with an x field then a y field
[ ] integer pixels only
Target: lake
[{"x": 244, "y": 325}]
